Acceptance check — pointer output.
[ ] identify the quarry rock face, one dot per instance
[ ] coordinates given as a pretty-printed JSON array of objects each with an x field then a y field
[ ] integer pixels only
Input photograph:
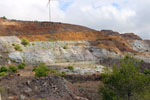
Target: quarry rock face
[
  {"x": 60, "y": 52},
  {"x": 140, "y": 46},
  {"x": 51, "y": 52},
  {"x": 6, "y": 43}
]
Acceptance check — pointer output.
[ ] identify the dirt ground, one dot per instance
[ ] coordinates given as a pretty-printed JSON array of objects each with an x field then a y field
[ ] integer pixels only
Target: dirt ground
[{"x": 24, "y": 86}]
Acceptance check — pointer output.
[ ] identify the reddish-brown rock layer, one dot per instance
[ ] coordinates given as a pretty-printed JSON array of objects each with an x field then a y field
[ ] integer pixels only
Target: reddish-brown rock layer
[{"x": 44, "y": 31}]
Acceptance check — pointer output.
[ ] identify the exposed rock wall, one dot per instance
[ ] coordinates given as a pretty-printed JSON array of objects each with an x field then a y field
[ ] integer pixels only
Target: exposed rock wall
[
  {"x": 139, "y": 45},
  {"x": 60, "y": 52},
  {"x": 53, "y": 52}
]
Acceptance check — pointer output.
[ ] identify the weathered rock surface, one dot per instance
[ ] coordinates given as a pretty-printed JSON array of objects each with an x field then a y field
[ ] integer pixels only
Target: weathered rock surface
[
  {"x": 6, "y": 43},
  {"x": 53, "y": 52},
  {"x": 131, "y": 36},
  {"x": 60, "y": 52},
  {"x": 140, "y": 45},
  {"x": 49, "y": 88}
]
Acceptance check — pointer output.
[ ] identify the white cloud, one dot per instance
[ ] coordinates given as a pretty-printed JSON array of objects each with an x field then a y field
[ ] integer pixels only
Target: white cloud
[{"x": 118, "y": 15}]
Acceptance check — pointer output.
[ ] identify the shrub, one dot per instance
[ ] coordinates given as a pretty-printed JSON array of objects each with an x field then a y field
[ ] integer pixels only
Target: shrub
[
  {"x": 13, "y": 60},
  {"x": 3, "y": 73},
  {"x": 41, "y": 70},
  {"x": 53, "y": 71},
  {"x": 147, "y": 71},
  {"x": 13, "y": 44},
  {"x": 13, "y": 68},
  {"x": 3, "y": 69},
  {"x": 58, "y": 74},
  {"x": 43, "y": 47},
  {"x": 21, "y": 66},
  {"x": 17, "y": 47},
  {"x": 110, "y": 39},
  {"x": 125, "y": 82},
  {"x": 33, "y": 43},
  {"x": 63, "y": 73},
  {"x": 65, "y": 47},
  {"x": 25, "y": 42},
  {"x": 70, "y": 67},
  {"x": 142, "y": 61}
]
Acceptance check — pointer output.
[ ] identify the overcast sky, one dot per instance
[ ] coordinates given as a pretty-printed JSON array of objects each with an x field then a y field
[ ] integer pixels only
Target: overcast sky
[{"x": 118, "y": 15}]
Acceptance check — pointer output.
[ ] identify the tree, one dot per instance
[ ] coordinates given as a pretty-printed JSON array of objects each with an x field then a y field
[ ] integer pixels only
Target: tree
[
  {"x": 4, "y": 18},
  {"x": 125, "y": 82}
]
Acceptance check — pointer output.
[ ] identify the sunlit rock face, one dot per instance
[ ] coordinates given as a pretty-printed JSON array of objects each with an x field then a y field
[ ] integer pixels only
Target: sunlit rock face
[
  {"x": 60, "y": 52},
  {"x": 53, "y": 52}
]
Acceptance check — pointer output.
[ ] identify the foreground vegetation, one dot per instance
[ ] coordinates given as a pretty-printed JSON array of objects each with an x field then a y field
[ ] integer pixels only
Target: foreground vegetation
[
  {"x": 125, "y": 82},
  {"x": 42, "y": 71},
  {"x": 11, "y": 69}
]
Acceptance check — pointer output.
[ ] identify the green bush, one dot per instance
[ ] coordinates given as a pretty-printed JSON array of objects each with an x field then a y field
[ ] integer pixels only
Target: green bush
[
  {"x": 110, "y": 39},
  {"x": 13, "y": 44},
  {"x": 21, "y": 66},
  {"x": 63, "y": 73},
  {"x": 13, "y": 60},
  {"x": 65, "y": 47},
  {"x": 125, "y": 82},
  {"x": 147, "y": 71},
  {"x": 3, "y": 73},
  {"x": 13, "y": 69},
  {"x": 17, "y": 47},
  {"x": 53, "y": 71},
  {"x": 41, "y": 70},
  {"x": 25, "y": 42},
  {"x": 70, "y": 67},
  {"x": 33, "y": 43},
  {"x": 3, "y": 69}
]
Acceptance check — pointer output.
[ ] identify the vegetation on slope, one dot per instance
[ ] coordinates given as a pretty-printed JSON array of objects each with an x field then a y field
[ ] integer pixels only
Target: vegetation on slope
[{"x": 125, "y": 82}]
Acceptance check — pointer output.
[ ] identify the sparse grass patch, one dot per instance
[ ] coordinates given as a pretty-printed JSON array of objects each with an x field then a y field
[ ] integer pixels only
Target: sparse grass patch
[
  {"x": 51, "y": 40},
  {"x": 5, "y": 46},
  {"x": 43, "y": 47},
  {"x": 42, "y": 71}
]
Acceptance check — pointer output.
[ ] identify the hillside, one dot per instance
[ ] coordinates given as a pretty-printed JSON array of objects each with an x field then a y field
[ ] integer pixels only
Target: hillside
[
  {"x": 75, "y": 55},
  {"x": 45, "y": 31}
]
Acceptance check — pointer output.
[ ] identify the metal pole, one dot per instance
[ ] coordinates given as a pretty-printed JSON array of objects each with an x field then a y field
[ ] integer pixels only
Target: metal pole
[{"x": 49, "y": 10}]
